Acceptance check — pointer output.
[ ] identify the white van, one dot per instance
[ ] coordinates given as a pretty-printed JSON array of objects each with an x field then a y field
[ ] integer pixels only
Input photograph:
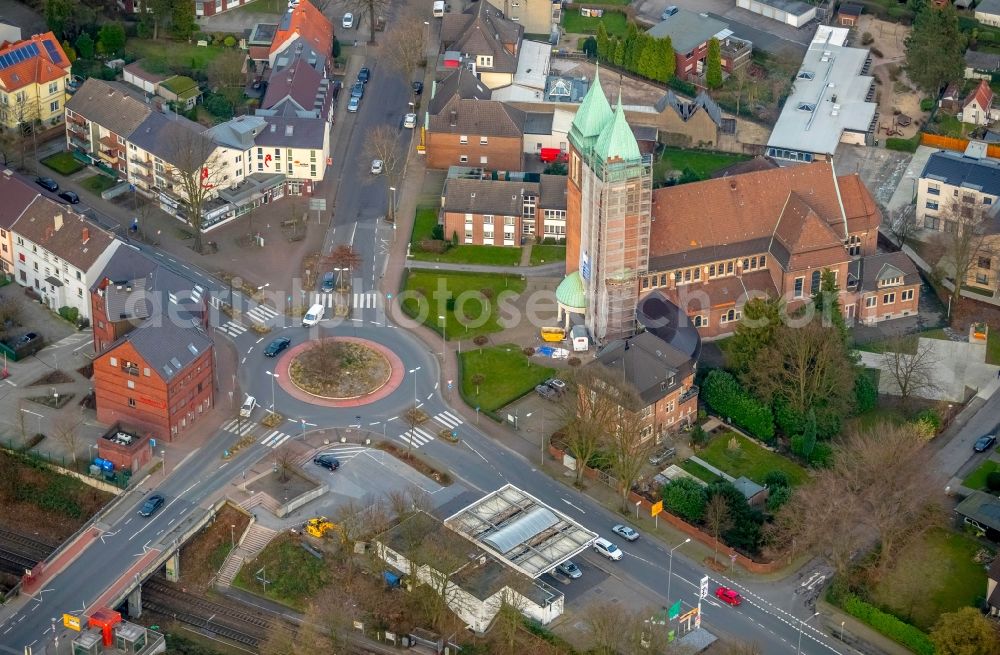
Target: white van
[
  {"x": 608, "y": 549},
  {"x": 247, "y": 408},
  {"x": 313, "y": 316},
  {"x": 581, "y": 342},
  {"x": 438, "y": 11}
]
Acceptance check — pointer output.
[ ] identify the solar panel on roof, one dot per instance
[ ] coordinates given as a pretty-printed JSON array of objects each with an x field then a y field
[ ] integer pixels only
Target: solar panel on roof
[
  {"x": 53, "y": 51},
  {"x": 23, "y": 53}
]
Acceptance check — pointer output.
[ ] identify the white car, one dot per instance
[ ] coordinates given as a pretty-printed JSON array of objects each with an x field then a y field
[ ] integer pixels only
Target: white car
[
  {"x": 348, "y": 22},
  {"x": 353, "y": 104},
  {"x": 410, "y": 121},
  {"x": 247, "y": 408},
  {"x": 608, "y": 549},
  {"x": 377, "y": 166}
]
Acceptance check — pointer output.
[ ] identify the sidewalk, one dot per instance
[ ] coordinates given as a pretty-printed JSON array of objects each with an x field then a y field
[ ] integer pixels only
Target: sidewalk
[{"x": 545, "y": 270}]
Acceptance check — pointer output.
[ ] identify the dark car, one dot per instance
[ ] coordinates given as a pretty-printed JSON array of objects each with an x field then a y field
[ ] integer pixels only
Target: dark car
[
  {"x": 26, "y": 338},
  {"x": 546, "y": 392},
  {"x": 327, "y": 461},
  {"x": 358, "y": 90},
  {"x": 152, "y": 504},
  {"x": 418, "y": 87},
  {"x": 276, "y": 346},
  {"x": 335, "y": 89},
  {"x": 70, "y": 197},
  {"x": 364, "y": 75},
  {"x": 47, "y": 183},
  {"x": 327, "y": 284},
  {"x": 984, "y": 443}
]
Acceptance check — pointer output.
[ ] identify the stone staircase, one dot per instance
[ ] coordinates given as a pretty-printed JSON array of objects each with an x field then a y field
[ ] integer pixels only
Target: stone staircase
[
  {"x": 260, "y": 500},
  {"x": 253, "y": 541}
]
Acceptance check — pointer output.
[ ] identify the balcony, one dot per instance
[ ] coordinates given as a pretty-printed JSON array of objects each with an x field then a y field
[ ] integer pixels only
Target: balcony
[
  {"x": 110, "y": 157},
  {"x": 692, "y": 392},
  {"x": 141, "y": 163},
  {"x": 737, "y": 51},
  {"x": 79, "y": 130},
  {"x": 81, "y": 144}
]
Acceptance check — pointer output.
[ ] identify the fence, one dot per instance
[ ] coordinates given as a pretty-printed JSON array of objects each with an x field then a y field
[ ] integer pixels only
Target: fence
[
  {"x": 955, "y": 143},
  {"x": 62, "y": 465}
]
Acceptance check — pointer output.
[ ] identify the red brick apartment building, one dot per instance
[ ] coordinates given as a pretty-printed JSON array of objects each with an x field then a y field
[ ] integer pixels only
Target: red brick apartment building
[
  {"x": 495, "y": 213},
  {"x": 154, "y": 368}
]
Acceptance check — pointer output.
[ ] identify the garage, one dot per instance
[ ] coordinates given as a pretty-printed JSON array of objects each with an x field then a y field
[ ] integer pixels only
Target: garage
[{"x": 790, "y": 12}]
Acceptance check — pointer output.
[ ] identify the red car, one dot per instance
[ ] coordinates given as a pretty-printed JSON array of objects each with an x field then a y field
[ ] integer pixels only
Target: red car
[{"x": 729, "y": 596}]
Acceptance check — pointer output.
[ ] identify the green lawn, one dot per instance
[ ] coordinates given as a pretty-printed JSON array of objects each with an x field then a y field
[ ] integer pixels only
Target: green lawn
[
  {"x": 264, "y": 7},
  {"x": 63, "y": 163},
  {"x": 950, "y": 126},
  {"x": 877, "y": 416},
  {"x": 473, "y": 313},
  {"x": 614, "y": 22},
  {"x": 949, "y": 578},
  {"x": 702, "y": 162},
  {"x": 423, "y": 226},
  {"x": 750, "y": 459},
  {"x": 977, "y": 479},
  {"x": 542, "y": 254},
  {"x": 993, "y": 347},
  {"x": 698, "y": 471},
  {"x": 178, "y": 56},
  {"x": 293, "y": 575},
  {"x": 507, "y": 375},
  {"x": 97, "y": 183}
]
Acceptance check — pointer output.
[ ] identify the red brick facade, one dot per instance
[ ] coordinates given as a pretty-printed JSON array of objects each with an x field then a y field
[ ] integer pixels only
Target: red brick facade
[
  {"x": 498, "y": 153},
  {"x": 129, "y": 390}
]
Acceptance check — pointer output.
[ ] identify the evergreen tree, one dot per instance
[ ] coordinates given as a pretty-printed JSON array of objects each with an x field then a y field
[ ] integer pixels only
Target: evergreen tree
[
  {"x": 111, "y": 38},
  {"x": 632, "y": 45},
  {"x": 603, "y": 43},
  {"x": 827, "y": 303},
  {"x": 183, "y": 22},
  {"x": 85, "y": 46},
  {"x": 713, "y": 64},
  {"x": 618, "y": 59},
  {"x": 667, "y": 59},
  {"x": 934, "y": 48},
  {"x": 647, "y": 59}
]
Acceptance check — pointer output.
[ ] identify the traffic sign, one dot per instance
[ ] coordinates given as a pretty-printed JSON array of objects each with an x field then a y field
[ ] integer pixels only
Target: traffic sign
[
  {"x": 703, "y": 590},
  {"x": 454, "y": 434},
  {"x": 317, "y": 204},
  {"x": 656, "y": 508},
  {"x": 449, "y": 385}
]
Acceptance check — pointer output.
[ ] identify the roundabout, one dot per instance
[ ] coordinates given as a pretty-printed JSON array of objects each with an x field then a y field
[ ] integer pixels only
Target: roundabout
[{"x": 340, "y": 372}]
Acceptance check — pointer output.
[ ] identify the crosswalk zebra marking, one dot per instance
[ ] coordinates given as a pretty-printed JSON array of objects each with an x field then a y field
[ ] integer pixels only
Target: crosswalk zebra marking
[
  {"x": 367, "y": 300},
  {"x": 448, "y": 420},
  {"x": 344, "y": 452},
  {"x": 416, "y": 437},
  {"x": 275, "y": 439},
  {"x": 261, "y": 313},
  {"x": 234, "y": 427},
  {"x": 233, "y": 328}
]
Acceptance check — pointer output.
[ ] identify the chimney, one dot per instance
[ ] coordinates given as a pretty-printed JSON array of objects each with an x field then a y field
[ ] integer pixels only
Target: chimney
[
  {"x": 57, "y": 222},
  {"x": 85, "y": 237},
  {"x": 454, "y": 118}
]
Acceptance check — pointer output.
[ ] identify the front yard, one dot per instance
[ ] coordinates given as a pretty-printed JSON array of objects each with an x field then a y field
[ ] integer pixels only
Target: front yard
[
  {"x": 424, "y": 224},
  {"x": 96, "y": 184},
  {"x": 546, "y": 254},
  {"x": 615, "y": 23},
  {"x": 507, "y": 374},
  {"x": 63, "y": 163},
  {"x": 701, "y": 162},
  {"x": 977, "y": 479},
  {"x": 468, "y": 301},
  {"x": 748, "y": 459},
  {"x": 174, "y": 56}
]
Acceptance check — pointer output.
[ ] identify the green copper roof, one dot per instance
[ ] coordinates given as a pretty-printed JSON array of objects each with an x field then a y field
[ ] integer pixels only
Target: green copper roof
[
  {"x": 616, "y": 140},
  {"x": 570, "y": 292},
  {"x": 594, "y": 112}
]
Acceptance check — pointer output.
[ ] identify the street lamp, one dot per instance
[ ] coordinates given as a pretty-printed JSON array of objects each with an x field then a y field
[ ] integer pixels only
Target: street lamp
[
  {"x": 232, "y": 534},
  {"x": 392, "y": 205},
  {"x": 411, "y": 372},
  {"x": 444, "y": 347},
  {"x": 670, "y": 568},
  {"x": 798, "y": 649},
  {"x": 273, "y": 377}
]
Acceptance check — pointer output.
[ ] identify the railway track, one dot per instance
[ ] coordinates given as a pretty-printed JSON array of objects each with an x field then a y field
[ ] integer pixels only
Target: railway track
[
  {"x": 165, "y": 593},
  {"x": 227, "y": 632},
  {"x": 22, "y": 545}
]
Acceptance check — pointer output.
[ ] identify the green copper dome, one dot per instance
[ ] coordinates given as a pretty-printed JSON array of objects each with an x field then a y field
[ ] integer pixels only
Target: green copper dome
[
  {"x": 594, "y": 112},
  {"x": 617, "y": 140},
  {"x": 570, "y": 292}
]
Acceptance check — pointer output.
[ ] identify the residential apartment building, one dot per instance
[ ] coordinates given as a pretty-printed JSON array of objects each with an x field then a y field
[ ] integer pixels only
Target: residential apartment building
[
  {"x": 955, "y": 187},
  {"x": 33, "y": 77},
  {"x": 887, "y": 287},
  {"x": 496, "y": 213},
  {"x": 536, "y": 16},
  {"x": 689, "y": 33},
  {"x": 201, "y": 7},
  {"x": 832, "y": 101},
  {"x": 465, "y": 128},
  {"x": 154, "y": 367},
  {"x": 489, "y": 44},
  {"x": 59, "y": 253},
  {"x": 707, "y": 246},
  {"x": 17, "y": 195},
  {"x": 303, "y": 29}
]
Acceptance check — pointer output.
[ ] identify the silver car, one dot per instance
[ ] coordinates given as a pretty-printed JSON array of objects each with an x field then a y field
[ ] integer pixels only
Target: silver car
[
  {"x": 625, "y": 532},
  {"x": 570, "y": 570}
]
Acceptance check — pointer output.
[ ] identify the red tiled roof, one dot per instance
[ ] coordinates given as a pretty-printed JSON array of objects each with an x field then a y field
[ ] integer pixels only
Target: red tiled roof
[
  {"x": 40, "y": 69},
  {"x": 307, "y": 23},
  {"x": 740, "y": 208},
  {"x": 982, "y": 94}
]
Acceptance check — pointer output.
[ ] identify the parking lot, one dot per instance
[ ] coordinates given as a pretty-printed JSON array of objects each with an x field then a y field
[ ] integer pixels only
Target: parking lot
[{"x": 533, "y": 415}]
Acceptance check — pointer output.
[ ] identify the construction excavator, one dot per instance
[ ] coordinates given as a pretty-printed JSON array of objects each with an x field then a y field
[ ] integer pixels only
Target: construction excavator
[{"x": 319, "y": 526}]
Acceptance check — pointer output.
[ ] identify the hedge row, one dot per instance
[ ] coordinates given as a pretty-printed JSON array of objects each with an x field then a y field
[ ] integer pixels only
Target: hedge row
[
  {"x": 903, "y": 145},
  {"x": 887, "y": 624},
  {"x": 728, "y": 399}
]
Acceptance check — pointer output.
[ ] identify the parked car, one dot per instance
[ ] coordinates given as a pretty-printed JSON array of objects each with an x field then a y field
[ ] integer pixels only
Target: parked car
[
  {"x": 364, "y": 75},
  {"x": 984, "y": 443},
  {"x": 152, "y": 504},
  {"x": 348, "y": 21},
  {"x": 668, "y": 12},
  {"x": 546, "y": 392},
  {"x": 410, "y": 121},
  {"x": 358, "y": 90},
  {"x": 247, "y": 407},
  {"x": 327, "y": 285},
  {"x": 277, "y": 346},
  {"x": 335, "y": 89},
  {"x": 728, "y": 596},
  {"x": 556, "y": 385},
  {"x": 625, "y": 532},
  {"x": 608, "y": 549},
  {"x": 352, "y": 104},
  {"x": 25, "y": 339},
  {"x": 570, "y": 570},
  {"x": 377, "y": 166},
  {"x": 47, "y": 183},
  {"x": 328, "y": 462},
  {"x": 418, "y": 87},
  {"x": 661, "y": 456},
  {"x": 70, "y": 197}
]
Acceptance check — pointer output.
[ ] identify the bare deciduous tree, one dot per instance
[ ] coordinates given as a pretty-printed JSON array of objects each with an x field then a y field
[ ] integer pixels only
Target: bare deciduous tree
[
  {"x": 882, "y": 486},
  {"x": 902, "y": 223},
  {"x": 413, "y": 417},
  {"x": 227, "y": 74},
  {"x": 630, "y": 438},
  {"x": 369, "y": 10},
  {"x": 196, "y": 171},
  {"x": 717, "y": 519},
  {"x": 407, "y": 44},
  {"x": 284, "y": 460},
  {"x": 344, "y": 256},
  {"x": 912, "y": 373},
  {"x": 384, "y": 143},
  {"x": 588, "y": 414},
  {"x": 963, "y": 239},
  {"x": 65, "y": 430}
]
